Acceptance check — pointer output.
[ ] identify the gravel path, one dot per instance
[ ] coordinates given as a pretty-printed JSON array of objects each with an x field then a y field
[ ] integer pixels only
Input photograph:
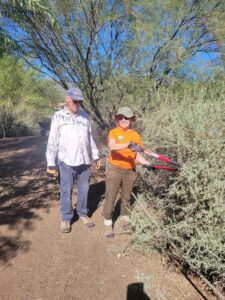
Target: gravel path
[{"x": 38, "y": 262}]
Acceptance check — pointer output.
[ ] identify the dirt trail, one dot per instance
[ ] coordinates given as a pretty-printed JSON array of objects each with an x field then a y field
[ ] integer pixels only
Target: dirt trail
[{"x": 38, "y": 262}]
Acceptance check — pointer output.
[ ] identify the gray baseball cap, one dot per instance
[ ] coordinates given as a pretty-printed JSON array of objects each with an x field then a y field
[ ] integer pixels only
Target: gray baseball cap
[
  {"x": 75, "y": 94},
  {"x": 125, "y": 111}
]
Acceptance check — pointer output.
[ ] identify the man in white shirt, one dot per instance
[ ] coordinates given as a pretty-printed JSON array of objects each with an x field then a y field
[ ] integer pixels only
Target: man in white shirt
[{"x": 71, "y": 143}]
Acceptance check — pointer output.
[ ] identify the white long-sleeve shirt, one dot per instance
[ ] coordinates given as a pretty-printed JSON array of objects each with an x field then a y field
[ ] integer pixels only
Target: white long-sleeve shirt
[{"x": 70, "y": 139}]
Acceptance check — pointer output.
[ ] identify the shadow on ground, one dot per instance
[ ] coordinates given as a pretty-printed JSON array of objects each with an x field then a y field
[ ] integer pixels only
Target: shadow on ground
[
  {"x": 95, "y": 196},
  {"x": 24, "y": 189},
  {"x": 135, "y": 291}
]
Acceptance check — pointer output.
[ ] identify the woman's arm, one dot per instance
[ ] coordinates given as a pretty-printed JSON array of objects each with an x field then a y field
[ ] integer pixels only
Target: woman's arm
[
  {"x": 113, "y": 146},
  {"x": 141, "y": 160}
]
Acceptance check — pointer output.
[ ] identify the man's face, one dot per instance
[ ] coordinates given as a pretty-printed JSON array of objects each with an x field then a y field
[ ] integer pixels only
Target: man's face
[{"x": 72, "y": 105}]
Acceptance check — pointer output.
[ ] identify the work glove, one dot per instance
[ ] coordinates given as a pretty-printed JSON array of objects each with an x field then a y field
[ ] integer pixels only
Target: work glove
[
  {"x": 135, "y": 147},
  {"x": 52, "y": 172}
]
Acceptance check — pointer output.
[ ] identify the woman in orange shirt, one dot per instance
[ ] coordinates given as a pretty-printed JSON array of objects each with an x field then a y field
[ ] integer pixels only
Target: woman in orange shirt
[{"x": 121, "y": 171}]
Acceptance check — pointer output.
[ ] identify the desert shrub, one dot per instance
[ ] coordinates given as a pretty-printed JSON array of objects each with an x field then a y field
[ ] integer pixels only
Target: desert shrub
[
  {"x": 16, "y": 122},
  {"x": 25, "y": 98},
  {"x": 187, "y": 124}
]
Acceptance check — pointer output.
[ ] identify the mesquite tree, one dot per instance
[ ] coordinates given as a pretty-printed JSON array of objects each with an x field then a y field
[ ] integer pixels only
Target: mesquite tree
[
  {"x": 169, "y": 33},
  {"x": 88, "y": 43},
  {"x": 81, "y": 46}
]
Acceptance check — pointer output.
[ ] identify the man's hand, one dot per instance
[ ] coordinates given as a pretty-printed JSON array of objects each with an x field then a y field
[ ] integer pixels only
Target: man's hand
[
  {"x": 97, "y": 163},
  {"x": 135, "y": 147},
  {"x": 52, "y": 172}
]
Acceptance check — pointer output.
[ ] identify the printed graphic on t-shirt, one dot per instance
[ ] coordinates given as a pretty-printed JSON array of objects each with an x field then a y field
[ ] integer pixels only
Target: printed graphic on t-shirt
[{"x": 120, "y": 137}]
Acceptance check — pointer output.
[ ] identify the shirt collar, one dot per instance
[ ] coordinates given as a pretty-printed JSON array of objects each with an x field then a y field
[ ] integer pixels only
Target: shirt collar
[{"x": 66, "y": 111}]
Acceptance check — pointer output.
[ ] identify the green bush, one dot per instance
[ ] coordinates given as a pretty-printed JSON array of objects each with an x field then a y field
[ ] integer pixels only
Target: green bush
[
  {"x": 25, "y": 98},
  {"x": 186, "y": 122},
  {"x": 9, "y": 125}
]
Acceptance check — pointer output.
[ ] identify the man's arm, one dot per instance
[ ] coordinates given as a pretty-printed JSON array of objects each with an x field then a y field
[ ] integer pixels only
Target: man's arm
[
  {"x": 53, "y": 142},
  {"x": 94, "y": 149}
]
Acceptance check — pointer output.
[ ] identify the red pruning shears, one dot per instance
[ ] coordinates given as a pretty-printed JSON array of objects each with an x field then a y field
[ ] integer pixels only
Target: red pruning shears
[
  {"x": 163, "y": 158},
  {"x": 136, "y": 148},
  {"x": 158, "y": 167}
]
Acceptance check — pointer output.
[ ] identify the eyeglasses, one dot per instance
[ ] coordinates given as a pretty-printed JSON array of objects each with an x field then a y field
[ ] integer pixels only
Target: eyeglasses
[{"x": 121, "y": 117}]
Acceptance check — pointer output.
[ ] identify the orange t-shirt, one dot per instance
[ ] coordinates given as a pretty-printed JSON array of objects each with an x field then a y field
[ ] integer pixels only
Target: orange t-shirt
[{"x": 124, "y": 158}]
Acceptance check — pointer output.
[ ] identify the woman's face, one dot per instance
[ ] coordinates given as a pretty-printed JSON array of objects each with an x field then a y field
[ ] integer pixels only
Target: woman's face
[{"x": 123, "y": 121}]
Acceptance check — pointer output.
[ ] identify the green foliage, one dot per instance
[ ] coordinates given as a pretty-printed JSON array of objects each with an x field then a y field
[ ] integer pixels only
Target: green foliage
[
  {"x": 24, "y": 98},
  {"x": 215, "y": 23},
  {"x": 88, "y": 43},
  {"x": 82, "y": 46},
  {"x": 125, "y": 53},
  {"x": 167, "y": 33},
  {"x": 13, "y": 9},
  {"x": 186, "y": 122}
]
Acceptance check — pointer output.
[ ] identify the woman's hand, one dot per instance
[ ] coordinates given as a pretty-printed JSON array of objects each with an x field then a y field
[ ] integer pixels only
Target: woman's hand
[{"x": 135, "y": 147}]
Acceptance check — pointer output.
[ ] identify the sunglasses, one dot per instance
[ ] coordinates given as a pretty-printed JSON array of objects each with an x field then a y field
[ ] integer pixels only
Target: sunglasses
[
  {"x": 121, "y": 117},
  {"x": 76, "y": 101}
]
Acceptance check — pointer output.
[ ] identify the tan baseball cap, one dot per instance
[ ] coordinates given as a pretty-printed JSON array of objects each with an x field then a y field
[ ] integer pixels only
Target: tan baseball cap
[{"x": 125, "y": 111}]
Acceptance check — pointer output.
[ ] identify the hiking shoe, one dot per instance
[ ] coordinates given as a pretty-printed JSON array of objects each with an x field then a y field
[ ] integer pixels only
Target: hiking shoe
[
  {"x": 109, "y": 231},
  {"x": 65, "y": 227},
  {"x": 87, "y": 221}
]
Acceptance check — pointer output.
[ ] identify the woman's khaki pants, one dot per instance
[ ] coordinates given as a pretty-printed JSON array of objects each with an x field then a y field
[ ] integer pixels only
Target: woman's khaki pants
[{"x": 117, "y": 178}]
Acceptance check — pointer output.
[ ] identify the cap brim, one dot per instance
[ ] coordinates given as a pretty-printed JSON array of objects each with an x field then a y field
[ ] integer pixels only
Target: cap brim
[
  {"x": 124, "y": 115},
  {"x": 77, "y": 99}
]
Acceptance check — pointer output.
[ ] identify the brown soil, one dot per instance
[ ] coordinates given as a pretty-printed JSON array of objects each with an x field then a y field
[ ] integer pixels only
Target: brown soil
[{"x": 38, "y": 262}]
